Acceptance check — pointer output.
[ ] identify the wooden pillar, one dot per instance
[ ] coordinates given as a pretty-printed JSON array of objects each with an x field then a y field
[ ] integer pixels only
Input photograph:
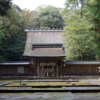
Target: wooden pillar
[
  {"x": 81, "y": 69},
  {"x": 56, "y": 67},
  {"x": 69, "y": 70},
  {"x": 38, "y": 65},
  {"x": 90, "y": 70},
  {"x": 63, "y": 70}
]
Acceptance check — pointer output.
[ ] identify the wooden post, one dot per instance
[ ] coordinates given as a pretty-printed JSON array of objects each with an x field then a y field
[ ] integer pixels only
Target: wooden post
[
  {"x": 69, "y": 71},
  {"x": 38, "y": 65},
  {"x": 63, "y": 70},
  {"x": 90, "y": 70},
  {"x": 81, "y": 70},
  {"x": 56, "y": 67},
  {"x": 20, "y": 79}
]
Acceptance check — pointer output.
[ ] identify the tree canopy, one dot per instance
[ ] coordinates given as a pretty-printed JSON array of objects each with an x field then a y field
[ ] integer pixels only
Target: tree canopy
[
  {"x": 42, "y": 18},
  {"x": 4, "y": 6},
  {"x": 13, "y": 40},
  {"x": 78, "y": 36},
  {"x": 49, "y": 17},
  {"x": 94, "y": 6}
]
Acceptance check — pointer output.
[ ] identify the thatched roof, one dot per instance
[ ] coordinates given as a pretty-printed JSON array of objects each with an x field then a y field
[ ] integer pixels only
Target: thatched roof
[{"x": 46, "y": 37}]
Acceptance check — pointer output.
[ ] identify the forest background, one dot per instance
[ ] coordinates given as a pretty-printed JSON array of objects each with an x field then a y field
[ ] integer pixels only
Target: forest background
[{"x": 80, "y": 21}]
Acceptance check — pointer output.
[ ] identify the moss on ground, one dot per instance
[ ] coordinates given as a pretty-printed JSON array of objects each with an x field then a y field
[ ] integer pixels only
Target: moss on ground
[{"x": 45, "y": 83}]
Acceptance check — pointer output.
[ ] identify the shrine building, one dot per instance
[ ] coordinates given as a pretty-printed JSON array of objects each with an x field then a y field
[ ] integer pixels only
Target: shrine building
[{"x": 46, "y": 54}]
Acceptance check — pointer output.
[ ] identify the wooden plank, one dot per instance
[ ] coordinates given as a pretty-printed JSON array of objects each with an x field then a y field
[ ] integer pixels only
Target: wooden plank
[
  {"x": 56, "y": 67},
  {"x": 38, "y": 65}
]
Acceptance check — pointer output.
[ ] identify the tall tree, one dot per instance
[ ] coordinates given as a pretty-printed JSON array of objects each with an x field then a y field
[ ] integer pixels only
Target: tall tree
[
  {"x": 49, "y": 17},
  {"x": 94, "y": 7},
  {"x": 1, "y": 31},
  {"x": 33, "y": 20},
  {"x": 1, "y": 37},
  {"x": 25, "y": 14},
  {"x": 42, "y": 17},
  {"x": 4, "y": 6},
  {"x": 13, "y": 40},
  {"x": 79, "y": 39}
]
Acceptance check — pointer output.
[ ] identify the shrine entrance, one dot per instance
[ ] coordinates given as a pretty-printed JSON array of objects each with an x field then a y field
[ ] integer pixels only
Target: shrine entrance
[{"x": 47, "y": 68}]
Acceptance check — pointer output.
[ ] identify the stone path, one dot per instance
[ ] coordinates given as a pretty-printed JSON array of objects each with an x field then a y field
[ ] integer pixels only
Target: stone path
[
  {"x": 91, "y": 81},
  {"x": 4, "y": 83},
  {"x": 50, "y": 96}
]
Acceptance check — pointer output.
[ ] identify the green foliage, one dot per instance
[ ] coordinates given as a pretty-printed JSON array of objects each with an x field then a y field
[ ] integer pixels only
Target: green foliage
[
  {"x": 78, "y": 36},
  {"x": 25, "y": 17},
  {"x": 4, "y": 6},
  {"x": 79, "y": 39},
  {"x": 13, "y": 41},
  {"x": 33, "y": 20},
  {"x": 1, "y": 31},
  {"x": 13, "y": 48},
  {"x": 75, "y": 4},
  {"x": 94, "y": 7},
  {"x": 42, "y": 18},
  {"x": 1, "y": 37},
  {"x": 49, "y": 17}
]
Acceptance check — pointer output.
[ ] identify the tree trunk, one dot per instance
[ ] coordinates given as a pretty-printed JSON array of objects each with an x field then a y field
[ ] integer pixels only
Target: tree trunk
[{"x": 81, "y": 54}]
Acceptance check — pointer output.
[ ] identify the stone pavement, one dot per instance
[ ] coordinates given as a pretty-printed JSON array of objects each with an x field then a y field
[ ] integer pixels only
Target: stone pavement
[
  {"x": 91, "y": 81},
  {"x": 50, "y": 96},
  {"x": 4, "y": 83}
]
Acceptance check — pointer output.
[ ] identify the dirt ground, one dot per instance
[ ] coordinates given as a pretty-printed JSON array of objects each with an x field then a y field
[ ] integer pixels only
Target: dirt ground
[{"x": 50, "y": 96}]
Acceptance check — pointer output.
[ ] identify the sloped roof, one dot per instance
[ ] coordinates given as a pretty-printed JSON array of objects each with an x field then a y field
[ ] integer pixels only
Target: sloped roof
[
  {"x": 82, "y": 62},
  {"x": 46, "y": 37},
  {"x": 45, "y": 52},
  {"x": 15, "y": 63},
  {"x": 43, "y": 30}
]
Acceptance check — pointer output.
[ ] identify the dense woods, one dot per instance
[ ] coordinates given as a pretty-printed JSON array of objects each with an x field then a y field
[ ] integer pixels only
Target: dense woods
[
  {"x": 80, "y": 21},
  {"x": 81, "y": 35}
]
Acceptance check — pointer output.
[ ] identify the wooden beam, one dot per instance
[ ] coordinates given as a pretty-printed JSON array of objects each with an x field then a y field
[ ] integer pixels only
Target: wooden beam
[
  {"x": 56, "y": 67},
  {"x": 38, "y": 65}
]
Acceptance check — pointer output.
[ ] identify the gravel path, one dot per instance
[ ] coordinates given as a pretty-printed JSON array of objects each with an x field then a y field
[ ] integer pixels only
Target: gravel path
[{"x": 50, "y": 96}]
